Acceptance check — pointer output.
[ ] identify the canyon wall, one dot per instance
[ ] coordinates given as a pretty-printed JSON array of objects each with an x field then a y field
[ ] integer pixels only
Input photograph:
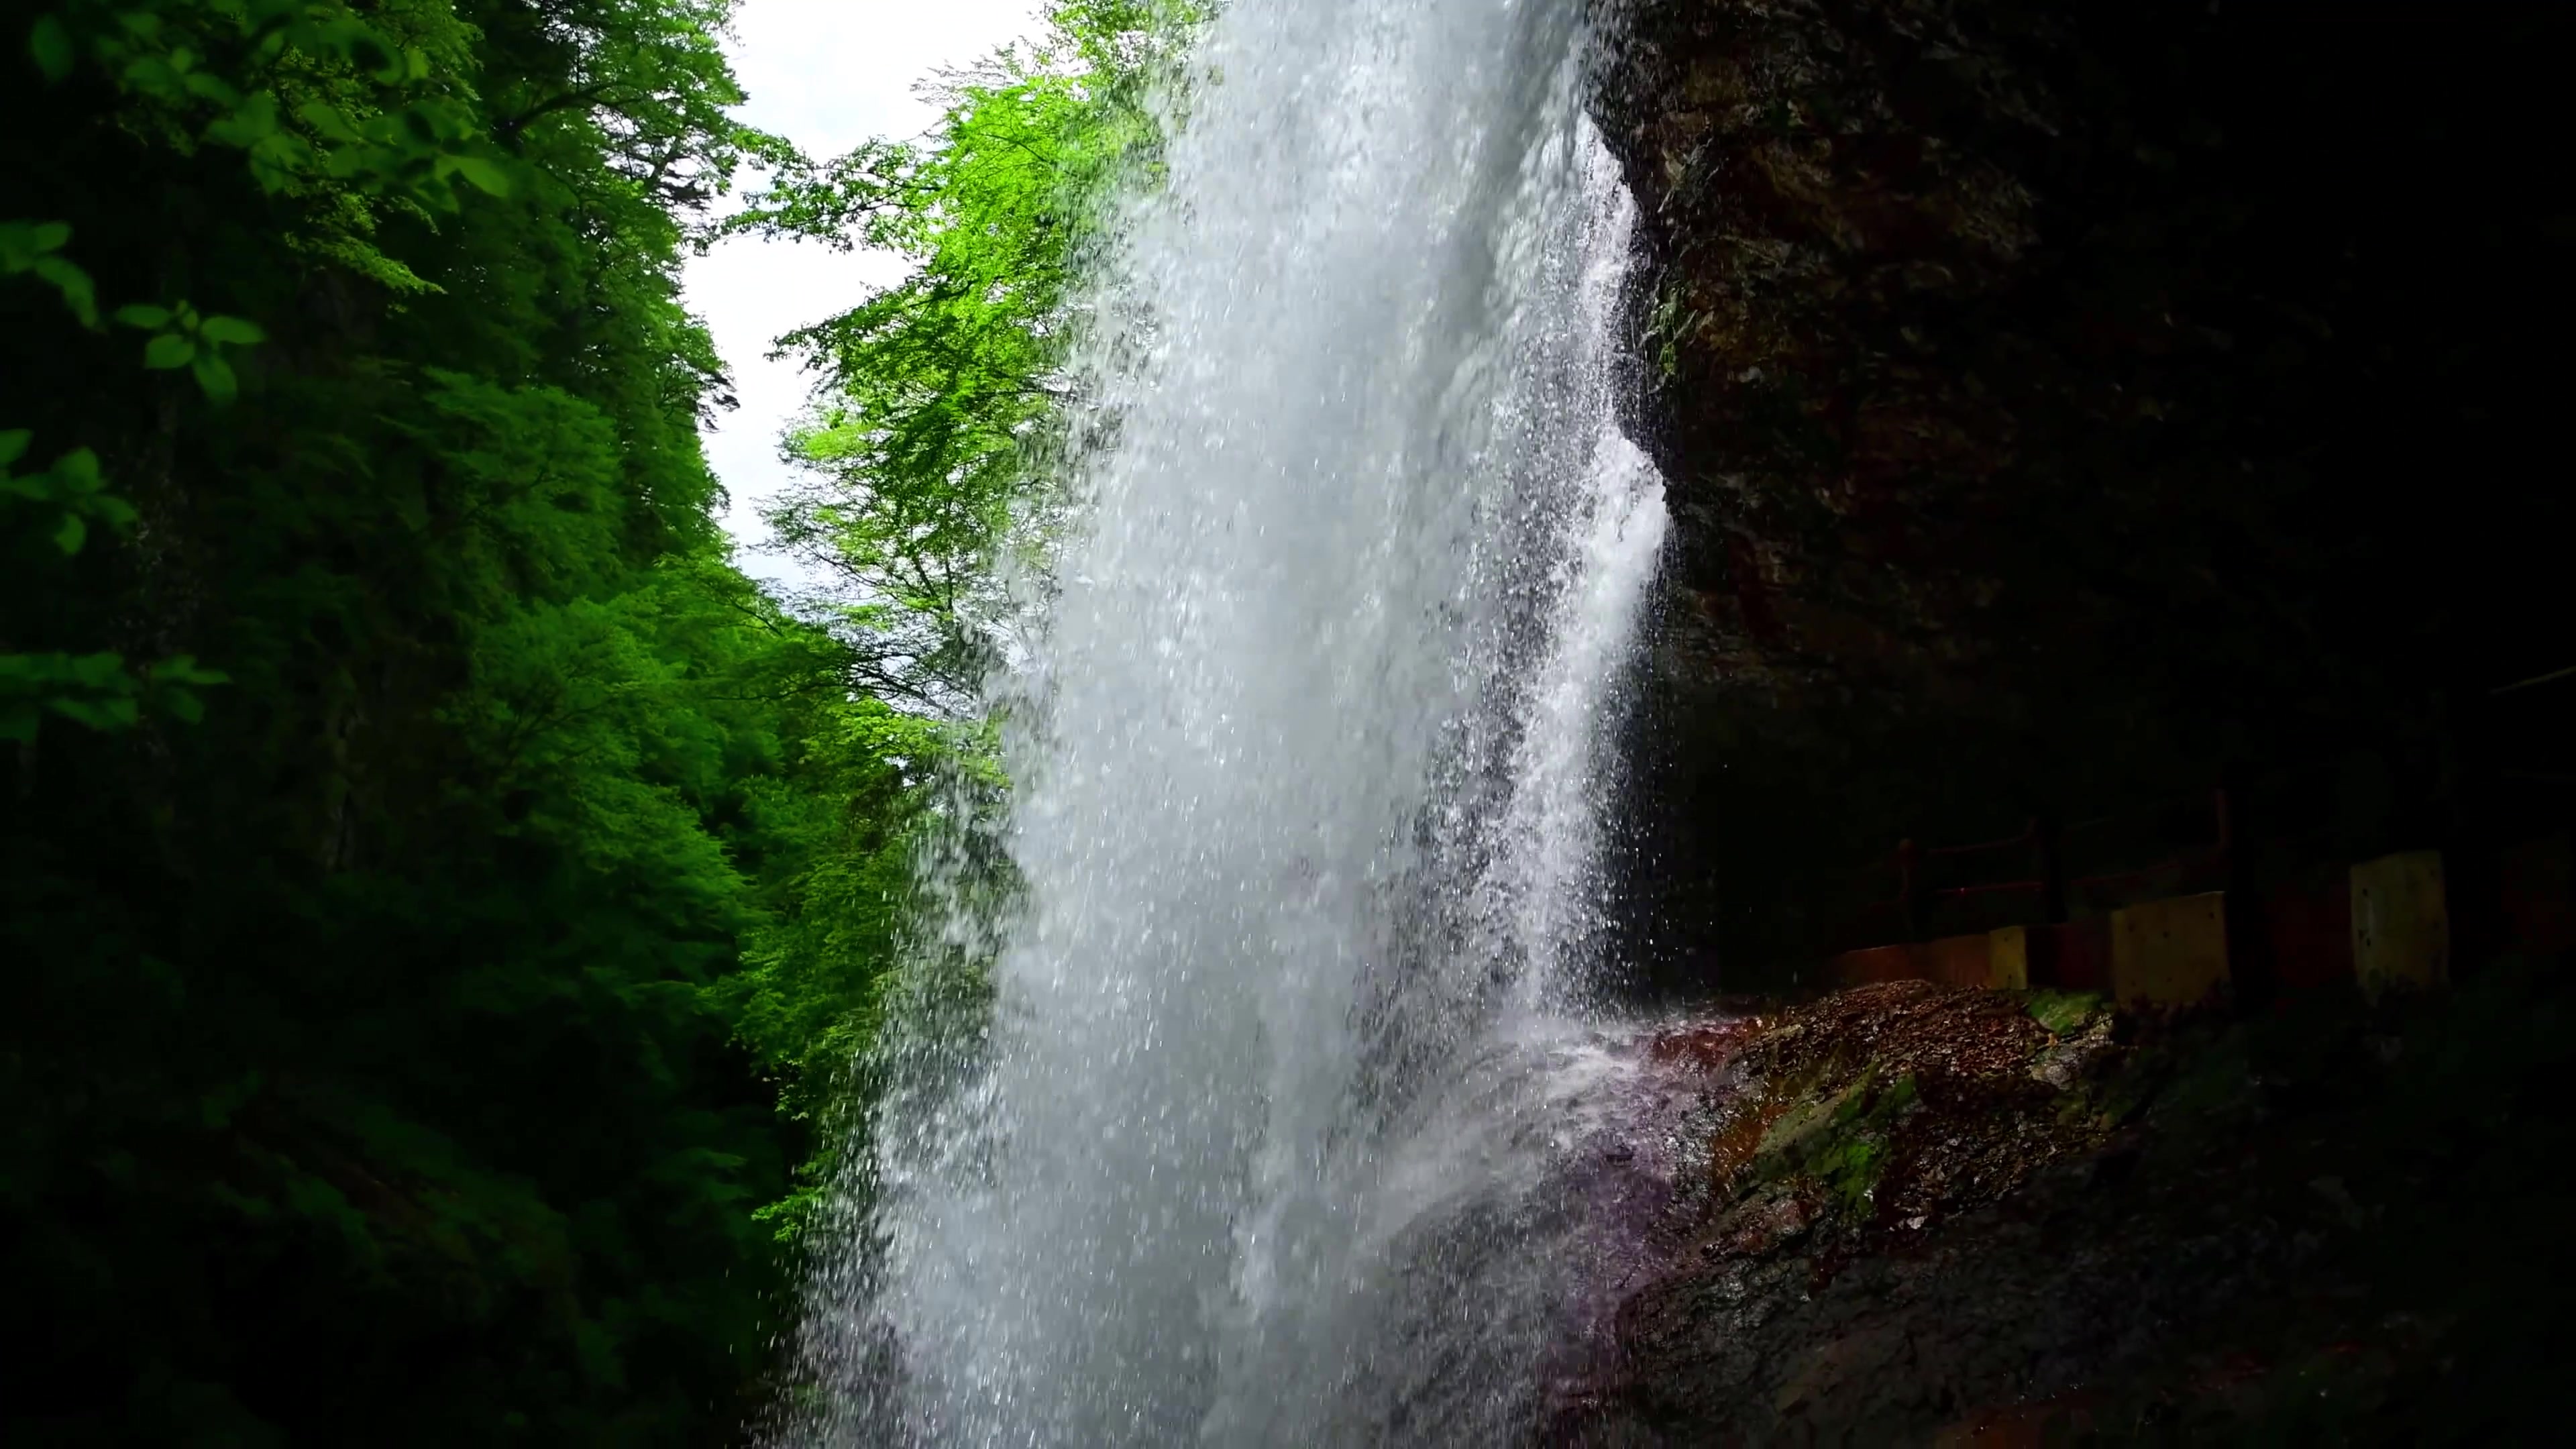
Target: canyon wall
[{"x": 2068, "y": 405}]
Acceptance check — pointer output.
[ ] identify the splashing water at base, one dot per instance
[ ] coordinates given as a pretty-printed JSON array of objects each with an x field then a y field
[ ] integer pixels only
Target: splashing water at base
[{"x": 1267, "y": 1140}]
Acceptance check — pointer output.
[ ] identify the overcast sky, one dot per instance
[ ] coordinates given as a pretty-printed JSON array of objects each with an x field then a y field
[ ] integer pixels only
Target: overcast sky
[{"x": 827, "y": 74}]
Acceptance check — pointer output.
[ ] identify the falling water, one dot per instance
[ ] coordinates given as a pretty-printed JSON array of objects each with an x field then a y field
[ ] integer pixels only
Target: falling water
[{"x": 1265, "y": 1139}]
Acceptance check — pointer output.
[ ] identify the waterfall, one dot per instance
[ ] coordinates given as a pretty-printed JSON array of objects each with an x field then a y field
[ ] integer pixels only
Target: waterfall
[{"x": 1262, "y": 1141}]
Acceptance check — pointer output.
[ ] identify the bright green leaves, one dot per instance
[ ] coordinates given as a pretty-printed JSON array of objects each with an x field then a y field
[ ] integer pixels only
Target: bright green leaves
[
  {"x": 482, "y": 174},
  {"x": 873, "y": 196},
  {"x": 184, "y": 337},
  {"x": 96, "y": 690},
  {"x": 35, "y": 247},
  {"x": 941, "y": 397}
]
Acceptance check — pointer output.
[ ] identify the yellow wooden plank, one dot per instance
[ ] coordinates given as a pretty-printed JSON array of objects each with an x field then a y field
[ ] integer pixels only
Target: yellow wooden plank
[
  {"x": 2170, "y": 952},
  {"x": 2401, "y": 923},
  {"x": 2008, "y": 959}
]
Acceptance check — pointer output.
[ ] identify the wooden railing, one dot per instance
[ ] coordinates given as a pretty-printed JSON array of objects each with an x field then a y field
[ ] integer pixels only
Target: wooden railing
[{"x": 1937, "y": 889}]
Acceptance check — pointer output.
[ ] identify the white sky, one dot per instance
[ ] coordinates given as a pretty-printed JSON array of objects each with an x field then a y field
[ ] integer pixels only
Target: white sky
[{"x": 827, "y": 74}]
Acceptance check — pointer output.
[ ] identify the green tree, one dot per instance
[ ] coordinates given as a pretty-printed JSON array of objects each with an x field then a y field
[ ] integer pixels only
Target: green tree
[
  {"x": 934, "y": 445},
  {"x": 425, "y": 854},
  {"x": 447, "y": 903}
]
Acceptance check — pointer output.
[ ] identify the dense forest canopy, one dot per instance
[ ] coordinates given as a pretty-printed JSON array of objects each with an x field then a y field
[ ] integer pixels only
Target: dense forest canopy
[{"x": 444, "y": 896}]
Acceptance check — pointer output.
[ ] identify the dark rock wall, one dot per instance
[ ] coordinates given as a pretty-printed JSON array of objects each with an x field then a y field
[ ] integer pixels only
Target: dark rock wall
[{"x": 2068, "y": 404}]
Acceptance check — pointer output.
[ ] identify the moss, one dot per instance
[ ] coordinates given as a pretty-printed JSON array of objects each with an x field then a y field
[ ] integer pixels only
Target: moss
[
  {"x": 1851, "y": 1170},
  {"x": 2065, "y": 1013},
  {"x": 1840, "y": 1141},
  {"x": 1793, "y": 1135}
]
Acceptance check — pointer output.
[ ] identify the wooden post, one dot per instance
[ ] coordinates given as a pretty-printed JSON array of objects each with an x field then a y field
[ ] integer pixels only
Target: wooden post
[
  {"x": 1909, "y": 886},
  {"x": 2249, "y": 942},
  {"x": 2052, "y": 869}
]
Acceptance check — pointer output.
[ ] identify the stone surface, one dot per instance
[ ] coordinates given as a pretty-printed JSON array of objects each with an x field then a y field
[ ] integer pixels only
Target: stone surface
[
  {"x": 2331, "y": 1224},
  {"x": 2048, "y": 394}
]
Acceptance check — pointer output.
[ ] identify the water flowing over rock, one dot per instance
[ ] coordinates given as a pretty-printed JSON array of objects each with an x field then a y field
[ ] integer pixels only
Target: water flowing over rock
[{"x": 1266, "y": 1139}]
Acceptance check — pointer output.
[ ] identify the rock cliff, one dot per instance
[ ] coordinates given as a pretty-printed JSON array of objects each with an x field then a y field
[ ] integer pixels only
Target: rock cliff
[{"x": 2065, "y": 404}]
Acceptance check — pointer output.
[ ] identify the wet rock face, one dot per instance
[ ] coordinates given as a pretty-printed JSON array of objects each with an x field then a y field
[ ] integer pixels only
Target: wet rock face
[
  {"x": 1817, "y": 1288},
  {"x": 1930, "y": 1215},
  {"x": 2063, "y": 402},
  {"x": 1826, "y": 236}
]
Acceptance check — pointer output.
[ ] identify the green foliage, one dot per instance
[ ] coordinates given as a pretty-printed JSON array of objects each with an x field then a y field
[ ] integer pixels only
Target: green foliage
[
  {"x": 35, "y": 248},
  {"x": 71, "y": 490},
  {"x": 931, "y": 453},
  {"x": 940, "y": 399},
  {"x": 96, "y": 690},
  {"x": 439, "y": 1012},
  {"x": 181, "y": 337},
  {"x": 422, "y": 1006}
]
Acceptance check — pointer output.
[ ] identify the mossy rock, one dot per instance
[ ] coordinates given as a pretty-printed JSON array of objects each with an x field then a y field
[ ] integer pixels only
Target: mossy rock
[
  {"x": 1841, "y": 1141},
  {"x": 2066, "y": 1013}
]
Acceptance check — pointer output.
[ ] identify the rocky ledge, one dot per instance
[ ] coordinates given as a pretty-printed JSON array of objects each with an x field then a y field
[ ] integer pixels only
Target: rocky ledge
[{"x": 1931, "y": 1215}]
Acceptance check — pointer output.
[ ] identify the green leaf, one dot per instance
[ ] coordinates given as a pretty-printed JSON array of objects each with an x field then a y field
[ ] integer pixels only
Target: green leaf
[
  {"x": 479, "y": 173},
  {"x": 167, "y": 351},
  {"x": 249, "y": 123},
  {"x": 327, "y": 120},
  {"x": 231, "y": 331},
  {"x": 145, "y": 316},
  {"x": 80, "y": 467},
  {"x": 207, "y": 86},
  {"x": 278, "y": 159},
  {"x": 70, "y": 534},
  {"x": 103, "y": 670},
  {"x": 153, "y": 76},
  {"x": 184, "y": 669},
  {"x": 113, "y": 713},
  {"x": 215, "y": 377},
  {"x": 74, "y": 284},
  {"x": 13, "y": 445},
  {"x": 51, "y": 45}
]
